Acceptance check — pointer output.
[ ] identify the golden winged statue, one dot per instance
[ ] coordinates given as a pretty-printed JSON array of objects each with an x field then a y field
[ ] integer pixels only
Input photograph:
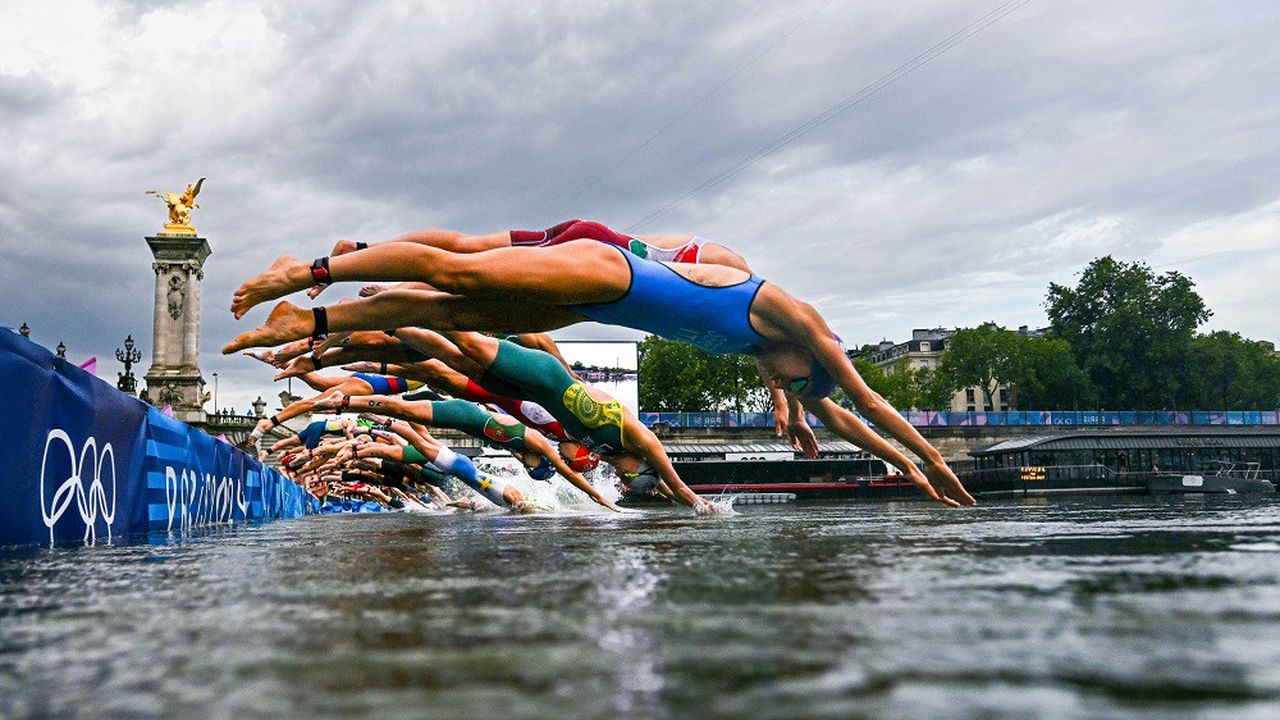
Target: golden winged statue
[{"x": 180, "y": 207}]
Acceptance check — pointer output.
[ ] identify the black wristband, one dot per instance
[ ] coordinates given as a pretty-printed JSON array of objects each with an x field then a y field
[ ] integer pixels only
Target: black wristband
[
  {"x": 391, "y": 333},
  {"x": 383, "y": 369},
  {"x": 315, "y": 360},
  {"x": 362, "y": 245},
  {"x": 346, "y": 402},
  {"x": 320, "y": 271},
  {"x": 275, "y": 421},
  {"x": 321, "y": 316}
]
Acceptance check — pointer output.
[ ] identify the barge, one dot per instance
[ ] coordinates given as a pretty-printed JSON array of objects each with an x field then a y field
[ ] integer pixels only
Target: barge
[{"x": 775, "y": 472}]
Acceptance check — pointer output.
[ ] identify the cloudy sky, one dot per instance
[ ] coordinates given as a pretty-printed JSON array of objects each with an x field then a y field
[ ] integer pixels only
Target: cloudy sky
[{"x": 1147, "y": 130}]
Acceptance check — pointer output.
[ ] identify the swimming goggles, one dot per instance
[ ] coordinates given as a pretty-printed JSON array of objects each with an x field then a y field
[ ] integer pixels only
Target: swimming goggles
[{"x": 798, "y": 385}]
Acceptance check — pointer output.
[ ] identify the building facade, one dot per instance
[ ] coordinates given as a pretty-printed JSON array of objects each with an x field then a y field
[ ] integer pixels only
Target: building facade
[{"x": 924, "y": 350}]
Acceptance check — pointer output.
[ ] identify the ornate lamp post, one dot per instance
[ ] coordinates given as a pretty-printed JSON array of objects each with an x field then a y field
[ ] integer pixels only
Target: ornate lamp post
[
  {"x": 128, "y": 383},
  {"x": 215, "y": 393},
  {"x": 61, "y": 350},
  {"x": 25, "y": 331},
  {"x": 259, "y": 407}
]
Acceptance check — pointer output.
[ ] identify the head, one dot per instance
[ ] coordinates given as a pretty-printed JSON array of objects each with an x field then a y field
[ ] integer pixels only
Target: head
[
  {"x": 543, "y": 470},
  {"x": 795, "y": 370},
  {"x": 578, "y": 457},
  {"x": 636, "y": 473}
]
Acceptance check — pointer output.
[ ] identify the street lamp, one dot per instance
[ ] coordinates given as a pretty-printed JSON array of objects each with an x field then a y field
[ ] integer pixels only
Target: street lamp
[
  {"x": 128, "y": 383},
  {"x": 215, "y": 393},
  {"x": 61, "y": 350},
  {"x": 25, "y": 331},
  {"x": 259, "y": 407}
]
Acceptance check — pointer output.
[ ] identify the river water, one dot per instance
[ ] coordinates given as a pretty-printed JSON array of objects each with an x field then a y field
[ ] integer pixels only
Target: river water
[{"x": 1142, "y": 607}]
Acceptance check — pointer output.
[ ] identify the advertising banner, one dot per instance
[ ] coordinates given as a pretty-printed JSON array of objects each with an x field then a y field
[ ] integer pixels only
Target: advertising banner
[{"x": 80, "y": 461}]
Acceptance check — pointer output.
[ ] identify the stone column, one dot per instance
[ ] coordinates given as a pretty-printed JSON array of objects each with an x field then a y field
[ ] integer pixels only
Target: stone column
[
  {"x": 174, "y": 378},
  {"x": 191, "y": 323},
  {"x": 159, "y": 349}
]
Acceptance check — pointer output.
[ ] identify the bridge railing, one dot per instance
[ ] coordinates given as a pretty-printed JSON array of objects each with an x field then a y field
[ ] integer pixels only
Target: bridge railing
[{"x": 1010, "y": 418}]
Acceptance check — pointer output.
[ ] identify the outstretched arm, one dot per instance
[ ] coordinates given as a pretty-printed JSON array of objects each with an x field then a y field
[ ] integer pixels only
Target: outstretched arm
[
  {"x": 650, "y": 448},
  {"x": 543, "y": 447},
  {"x": 846, "y": 425},
  {"x": 779, "y": 400},
  {"x": 808, "y": 328}
]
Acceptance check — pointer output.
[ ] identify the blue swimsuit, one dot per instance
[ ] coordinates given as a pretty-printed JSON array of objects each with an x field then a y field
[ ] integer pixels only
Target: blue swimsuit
[
  {"x": 666, "y": 303},
  {"x": 383, "y": 384},
  {"x": 312, "y": 433}
]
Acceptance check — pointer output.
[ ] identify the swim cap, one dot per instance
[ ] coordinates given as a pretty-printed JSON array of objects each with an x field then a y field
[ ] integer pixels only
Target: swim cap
[
  {"x": 584, "y": 460},
  {"x": 544, "y": 471},
  {"x": 821, "y": 384},
  {"x": 643, "y": 480}
]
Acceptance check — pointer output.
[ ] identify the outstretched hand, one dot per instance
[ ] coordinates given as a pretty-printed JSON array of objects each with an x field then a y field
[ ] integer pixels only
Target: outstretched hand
[
  {"x": 802, "y": 438},
  {"x": 946, "y": 484}
]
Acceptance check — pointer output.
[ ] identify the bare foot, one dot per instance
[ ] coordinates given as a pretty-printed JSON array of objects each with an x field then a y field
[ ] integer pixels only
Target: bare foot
[
  {"x": 286, "y": 275},
  {"x": 286, "y": 322},
  {"x": 297, "y": 368},
  {"x": 265, "y": 356},
  {"x": 371, "y": 290},
  {"x": 289, "y": 351},
  {"x": 342, "y": 247}
]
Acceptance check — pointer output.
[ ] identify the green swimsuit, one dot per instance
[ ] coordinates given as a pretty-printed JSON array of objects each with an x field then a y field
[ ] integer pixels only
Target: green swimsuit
[
  {"x": 542, "y": 379},
  {"x": 477, "y": 422}
]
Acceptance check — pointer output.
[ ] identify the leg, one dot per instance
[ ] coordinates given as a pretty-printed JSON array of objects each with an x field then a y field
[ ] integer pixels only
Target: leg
[
  {"x": 576, "y": 272},
  {"x": 444, "y": 239},
  {"x": 717, "y": 254},
  {"x": 318, "y": 382},
  {"x": 400, "y": 308}
]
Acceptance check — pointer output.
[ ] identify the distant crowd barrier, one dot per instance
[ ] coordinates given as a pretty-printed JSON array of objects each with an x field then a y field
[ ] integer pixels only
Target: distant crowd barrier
[
  {"x": 79, "y": 461},
  {"x": 1012, "y": 418}
]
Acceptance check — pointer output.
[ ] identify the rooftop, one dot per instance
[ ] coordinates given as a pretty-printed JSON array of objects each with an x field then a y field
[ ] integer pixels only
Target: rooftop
[{"x": 1129, "y": 438}]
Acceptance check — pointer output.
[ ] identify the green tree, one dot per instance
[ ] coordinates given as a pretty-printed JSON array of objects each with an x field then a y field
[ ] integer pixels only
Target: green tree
[
  {"x": 1230, "y": 372},
  {"x": 985, "y": 356},
  {"x": 1041, "y": 373},
  {"x": 1130, "y": 330},
  {"x": 1046, "y": 376},
  {"x": 905, "y": 388},
  {"x": 678, "y": 377}
]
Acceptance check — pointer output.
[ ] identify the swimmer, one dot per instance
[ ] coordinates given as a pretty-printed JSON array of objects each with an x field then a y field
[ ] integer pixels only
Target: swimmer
[
  {"x": 526, "y": 444},
  {"x": 427, "y": 450},
  {"x": 356, "y": 384},
  {"x": 661, "y": 248},
  {"x": 438, "y": 372},
  {"x": 718, "y": 308},
  {"x": 588, "y": 414}
]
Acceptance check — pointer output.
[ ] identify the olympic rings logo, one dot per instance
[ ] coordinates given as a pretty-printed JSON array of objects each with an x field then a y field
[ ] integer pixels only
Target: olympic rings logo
[{"x": 91, "y": 501}]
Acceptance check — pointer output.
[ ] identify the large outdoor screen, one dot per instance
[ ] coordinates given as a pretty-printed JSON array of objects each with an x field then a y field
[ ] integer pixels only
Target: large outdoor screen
[{"x": 611, "y": 366}]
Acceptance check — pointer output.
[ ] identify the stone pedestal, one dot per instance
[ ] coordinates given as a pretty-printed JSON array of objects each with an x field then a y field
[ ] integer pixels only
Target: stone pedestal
[{"x": 174, "y": 377}]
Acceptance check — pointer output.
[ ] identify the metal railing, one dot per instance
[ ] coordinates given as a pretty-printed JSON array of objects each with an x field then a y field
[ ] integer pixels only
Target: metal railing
[{"x": 1009, "y": 418}]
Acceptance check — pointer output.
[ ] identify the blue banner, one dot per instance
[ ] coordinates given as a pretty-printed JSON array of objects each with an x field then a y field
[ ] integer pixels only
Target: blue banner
[
  {"x": 81, "y": 461},
  {"x": 960, "y": 418}
]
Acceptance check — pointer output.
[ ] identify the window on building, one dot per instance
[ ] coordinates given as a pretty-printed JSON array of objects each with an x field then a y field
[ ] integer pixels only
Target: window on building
[
  {"x": 968, "y": 396},
  {"x": 924, "y": 346},
  {"x": 971, "y": 408}
]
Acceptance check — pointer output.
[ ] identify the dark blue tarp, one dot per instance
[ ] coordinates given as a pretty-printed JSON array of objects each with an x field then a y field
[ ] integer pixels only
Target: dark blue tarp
[{"x": 79, "y": 460}]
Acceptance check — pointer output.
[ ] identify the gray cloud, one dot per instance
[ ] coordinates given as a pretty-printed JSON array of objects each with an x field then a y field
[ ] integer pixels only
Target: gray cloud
[{"x": 954, "y": 196}]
